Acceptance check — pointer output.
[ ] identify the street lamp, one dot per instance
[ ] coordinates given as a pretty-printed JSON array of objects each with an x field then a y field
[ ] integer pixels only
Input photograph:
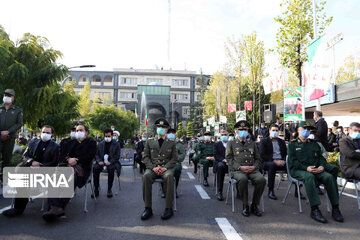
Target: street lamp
[{"x": 69, "y": 76}]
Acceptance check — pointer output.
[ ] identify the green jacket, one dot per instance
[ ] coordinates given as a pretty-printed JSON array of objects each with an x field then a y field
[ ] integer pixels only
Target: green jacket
[
  {"x": 238, "y": 155},
  {"x": 11, "y": 119},
  {"x": 206, "y": 150},
  {"x": 197, "y": 150},
  {"x": 154, "y": 156},
  {"x": 181, "y": 152},
  {"x": 304, "y": 154}
]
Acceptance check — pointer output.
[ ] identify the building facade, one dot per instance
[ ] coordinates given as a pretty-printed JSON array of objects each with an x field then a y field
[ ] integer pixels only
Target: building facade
[{"x": 163, "y": 93}]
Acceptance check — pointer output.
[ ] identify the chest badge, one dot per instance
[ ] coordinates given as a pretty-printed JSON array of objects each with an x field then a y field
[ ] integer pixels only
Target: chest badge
[{"x": 298, "y": 149}]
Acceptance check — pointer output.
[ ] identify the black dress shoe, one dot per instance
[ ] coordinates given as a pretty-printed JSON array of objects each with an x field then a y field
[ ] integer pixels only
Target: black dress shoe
[
  {"x": 205, "y": 183},
  {"x": 272, "y": 195},
  {"x": 255, "y": 210},
  {"x": 167, "y": 214},
  {"x": 109, "y": 194},
  {"x": 336, "y": 215},
  {"x": 146, "y": 214},
  {"x": 317, "y": 216},
  {"x": 302, "y": 197},
  {"x": 320, "y": 192},
  {"x": 53, "y": 213},
  {"x": 96, "y": 191},
  {"x": 219, "y": 196},
  {"x": 13, "y": 212},
  {"x": 246, "y": 211}
]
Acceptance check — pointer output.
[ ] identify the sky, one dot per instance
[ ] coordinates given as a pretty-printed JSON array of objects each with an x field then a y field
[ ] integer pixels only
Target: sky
[{"x": 134, "y": 33}]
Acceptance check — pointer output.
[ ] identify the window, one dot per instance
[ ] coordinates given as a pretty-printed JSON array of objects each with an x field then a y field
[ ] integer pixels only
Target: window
[
  {"x": 83, "y": 78},
  {"x": 154, "y": 81},
  {"x": 96, "y": 78},
  {"x": 178, "y": 96},
  {"x": 127, "y": 80},
  {"x": 128, "y": 95},
  {"x": 108, "y": 79},
  {"x": 180, "y": 82}
]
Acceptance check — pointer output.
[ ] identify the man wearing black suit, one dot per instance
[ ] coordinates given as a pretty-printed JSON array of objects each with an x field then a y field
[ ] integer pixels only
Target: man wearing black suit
[
  {"x": 140, "y": 145},
  {"x": 350, "y": 152},
  {"x": 220, "y": 164},
  {"x": 273, "y": 154},
  {"x": 107, "y": 157},
  {"x": 40, "y": 153},
  {"x": 321, "y": 128}
]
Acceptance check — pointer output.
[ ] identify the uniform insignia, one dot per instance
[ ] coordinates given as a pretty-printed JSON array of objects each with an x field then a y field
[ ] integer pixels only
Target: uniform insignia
[
  {"x": 237, "y": 152},
  {"x": 161, "y": 123},
  {"x": 242, "y": 124},
  {"x": 297, "y": 149}
]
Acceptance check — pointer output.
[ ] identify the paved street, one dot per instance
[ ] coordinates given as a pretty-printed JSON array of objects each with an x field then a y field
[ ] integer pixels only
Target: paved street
[{"x": 196, "y": 218}]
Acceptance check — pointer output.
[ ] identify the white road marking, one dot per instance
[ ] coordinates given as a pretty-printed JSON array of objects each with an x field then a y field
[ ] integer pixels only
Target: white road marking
[
  {"x": 202, "y": 192},
  {"x": 185, "y": 167},
  {"x": 228, "y": 230},
  {"x": 190, "y": 175}
]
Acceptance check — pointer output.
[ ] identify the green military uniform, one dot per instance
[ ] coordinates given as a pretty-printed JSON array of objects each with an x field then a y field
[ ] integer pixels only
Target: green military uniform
[
  {"x": 308, "y": 153},
  {"x": 245, "y": 154},
  {"x": 11, "y": 120},
  {"x": 196, "y": 154},
  {"x": 181, "y": 156},
  {"x": 206, "y": 149},
  {"x": 154, "y": 156}
]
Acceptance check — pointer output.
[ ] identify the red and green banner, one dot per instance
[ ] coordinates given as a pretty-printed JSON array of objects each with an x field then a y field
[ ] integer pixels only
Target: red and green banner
[
  {"x": 146, "y": 119},
  {"x": 248, "y": 105},
  {"x": 293, "y": 104}
]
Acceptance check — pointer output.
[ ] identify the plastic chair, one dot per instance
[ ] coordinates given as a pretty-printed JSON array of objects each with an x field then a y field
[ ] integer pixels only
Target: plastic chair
[
  {"x": 127, "y": 160},
  {"x": 160, "y": 181},
  {"x": 89, "y": 181},
  {"x": 281, "y": 172},
  {"x": 355, "y": 181}
]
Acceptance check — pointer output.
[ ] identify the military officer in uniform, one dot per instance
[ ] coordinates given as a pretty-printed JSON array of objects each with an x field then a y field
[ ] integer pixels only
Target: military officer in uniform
[
  {"x": 308, "y": 165},
  {"x": 244, "y": 160},
  {"x": 206, "y": 156},
  {"x": 11, "y": 120},
  {"x": 160, "y": 157}
]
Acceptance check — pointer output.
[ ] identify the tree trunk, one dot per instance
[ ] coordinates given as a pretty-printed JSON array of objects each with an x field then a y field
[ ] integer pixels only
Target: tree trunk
[
  {"x": 299, "y": 67},
  {"x": 254, "y": 110}
]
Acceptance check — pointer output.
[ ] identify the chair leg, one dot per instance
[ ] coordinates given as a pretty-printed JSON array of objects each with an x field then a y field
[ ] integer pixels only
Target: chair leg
[
  {"x": 134, "y": 174},
  {"x": 215, "y": 182},
  {"x": 175, "y": 209},
  {"x": 342, "y": 189},
  {"x": 93, "y": 192},
  {"x": 227, "y": 193},
  {"x": 278, "y": 185},
  {"x": 327, "y": 202},
  {"x": 357, "y": 193},
  {"x": 232, "y": 198},
  {"x": 85, "y": 205},
  {"x": 262, "y": 203},
  {"x": 287, "y": 193},
  {"x": 42, "y": 205},
  {"x": 12, "y": 203},
  {"x": 299, "y": 197}
]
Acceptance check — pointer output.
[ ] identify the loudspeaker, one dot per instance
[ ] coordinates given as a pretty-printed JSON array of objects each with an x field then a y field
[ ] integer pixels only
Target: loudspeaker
[{"x": 269, "y": 113}]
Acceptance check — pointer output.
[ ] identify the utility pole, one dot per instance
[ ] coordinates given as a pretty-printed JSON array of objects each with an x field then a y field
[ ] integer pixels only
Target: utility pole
[
  {"x": 318, "y": 105},
  {"x": 169, "y": 28}
]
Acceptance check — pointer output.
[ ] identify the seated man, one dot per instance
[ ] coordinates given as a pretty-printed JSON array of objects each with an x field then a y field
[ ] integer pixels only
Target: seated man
[
  {"x": 307, "y": 164},
  {"x": 220, "y": 163},
  {"x": 196, "y": 155},
  {"x": 350, "y": 152},
  {"x": 273, "y": 154},
  {"x": 107, "y": 157},
  {"x": 79, "y": 154},
  {"x": 40, "y": 153},
  {"x": 244, "y": 161},
  {"x": 206, "y": 156},
  {"x": 160, "y": 157},
  {"x": 140, "y": 145},
  {"x": 116, "y": 137}
]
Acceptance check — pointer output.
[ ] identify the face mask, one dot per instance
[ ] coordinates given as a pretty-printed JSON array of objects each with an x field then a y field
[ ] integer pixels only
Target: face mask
[
  {"x": 45, "y": 137},
  {"x": 256, "y": 127},
  {"x": 315, "y": 119},
  {"x": 7, "y": 99},
  {"x": 346, "y": 132},
  {"x": 171, "y": 136},
  {"x": 274, "y": 134},
  {"x": 305, "y": 133},
  {"x": 311, "y": 136},
  {"x": 107, "y": 139},
  {"x": 80, "y": 135},
  {"x": 201, "y": 138},
  {"x": 115, "y": 137},
  {"x": 243, "y": 134},
  {"x": 231, "y": 138},
  {"x": 355, "y": 135},
  {"x": 262, "y": 126},
  {"x": 73, "y": 135},
  {"x": 144, "y": 138},
  {"x": 338, "y": 130},
  {"x": 113, "y": 129},
  {"x": 224, "y": 138},
  {"x": 160, "y": 131},
  {"x": 207, "y": 138}
]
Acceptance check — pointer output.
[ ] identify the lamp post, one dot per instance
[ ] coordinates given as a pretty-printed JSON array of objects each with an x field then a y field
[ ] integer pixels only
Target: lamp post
[{"x": 69, "y": 76}]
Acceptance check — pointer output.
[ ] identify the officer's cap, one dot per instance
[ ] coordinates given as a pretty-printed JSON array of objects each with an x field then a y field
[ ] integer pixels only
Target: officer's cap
[
  {"x": 10, "y": 91},
  {"x": 171, "y": 130},
  {"x": 304, "y": 124},
  {"x": 161, "y": 122},
  {"x": 207, "y": 134},
  {"x": 242, "y": 124}
]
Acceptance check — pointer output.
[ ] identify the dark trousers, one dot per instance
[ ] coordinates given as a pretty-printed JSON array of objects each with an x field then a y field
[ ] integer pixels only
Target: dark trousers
[
  {"x": 271, "y": 168},
  {"x": 142, "y": 165},
  {"x": 191, "y": 155},
  {"x": 222, "y": 169},
  {"x": 79, "y": 181},
  {"x": 20, "y": 203},
  {"x": 96, "y": 174},
  {"x": 6, "y": 152}
]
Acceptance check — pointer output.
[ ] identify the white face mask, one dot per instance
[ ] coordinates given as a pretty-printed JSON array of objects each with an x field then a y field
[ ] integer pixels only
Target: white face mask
[
  {"x": 107, "y": 139},
  {"x": 45, "y": 137},
  {"x": 311, "y": 136},
  {"x": 73, "y": 135},
  {"x": 207, "y": 138},
  {"x": 7, "y": 99},
  {"x": 80, "y": 135}
]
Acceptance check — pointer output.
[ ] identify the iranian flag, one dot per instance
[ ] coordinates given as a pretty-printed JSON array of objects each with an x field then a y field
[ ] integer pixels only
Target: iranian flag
[
  {"x": 136, "y": 113},
  {"x": 146, "y": 119}
]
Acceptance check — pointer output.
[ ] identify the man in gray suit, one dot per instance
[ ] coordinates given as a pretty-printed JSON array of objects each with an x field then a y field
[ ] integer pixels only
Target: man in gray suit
[
  {"x": 107, "y": 158},
  {"x": 350, "y": 152}
]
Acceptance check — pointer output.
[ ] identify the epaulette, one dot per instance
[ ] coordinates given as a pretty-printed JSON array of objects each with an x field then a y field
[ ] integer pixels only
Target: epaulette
[{"x": 294, "y": 140}]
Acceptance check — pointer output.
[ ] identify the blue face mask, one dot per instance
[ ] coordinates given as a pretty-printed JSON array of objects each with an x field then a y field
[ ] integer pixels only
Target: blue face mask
[
  {"x": 256, "y": 127},
  {"x": 243, "y": 134},
  {"x": 231, "y": 138},
  {"x": 355, "y": 135},
  {"x": 171, "y": 136},
  {"x": 160, "y": 131},
  {"x": 224, "y": 138},
  {"x": 144, "y": 138},
  {"x": 274, "y": 134},
  {"x": 315, "y": 119},
  {"x": 305, "y": 133},
  {"x": 201, "y": 138},
  {"x": 262, "y": 126}
]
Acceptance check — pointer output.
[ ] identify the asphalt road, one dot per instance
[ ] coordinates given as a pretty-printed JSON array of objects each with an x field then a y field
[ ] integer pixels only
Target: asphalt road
[{"x": 196, "y": 218}]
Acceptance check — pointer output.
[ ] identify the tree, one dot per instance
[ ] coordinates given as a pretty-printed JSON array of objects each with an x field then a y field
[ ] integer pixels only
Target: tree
[
  {"x": 85, "y": 101},
  {"x": 181, "y": 131},
  {"x": 196, "y": 110},
  {"x": 190, "y": 129},
  {"x": 296, "y": 32},
  {"x": 349, "y": 71}
]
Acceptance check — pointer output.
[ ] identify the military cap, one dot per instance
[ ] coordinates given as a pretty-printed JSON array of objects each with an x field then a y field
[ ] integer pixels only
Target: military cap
[
  {"x": 171, "y": 130},
  {"x": 161, "y": 122},
  {"x": 10, "y": 91},
  {"x": 198, "y": 135},
  {"x": 231, "y": 135},
  {"x": 304, "y": 124},
  {"x": 243, "y": 124},
  {"x": 207, "y": 134}
]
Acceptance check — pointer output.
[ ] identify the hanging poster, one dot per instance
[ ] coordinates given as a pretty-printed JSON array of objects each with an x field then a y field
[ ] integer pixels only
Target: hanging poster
[{"x": 293, "y": 104}]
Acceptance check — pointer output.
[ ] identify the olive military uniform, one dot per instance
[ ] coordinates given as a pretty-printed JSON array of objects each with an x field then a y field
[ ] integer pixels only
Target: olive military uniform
[
  {"x": 206, "y": 149},
  {"x": 196, "y": 154},
  {"x": 239, "y": 154},
  {"x": 11, "y": 120},
  {"x": 165, "y": 156},
  {"x": 308, "y": 153},
  {"x": 181, "y": 156}
]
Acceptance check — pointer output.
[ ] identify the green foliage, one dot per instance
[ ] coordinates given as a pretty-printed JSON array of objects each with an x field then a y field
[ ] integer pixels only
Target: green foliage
[
  {"x": 85, "y": 102},
  {"x": 15, "y": 160},
  {"x": 180, "y": 131},
  {"x": 190, "y": 129},
  {"x": 105, "y": 117},
  {"x": 349, "y": 71},
  {"x": 231, "y": 120},
  {"x": 196, "y": 110}
]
